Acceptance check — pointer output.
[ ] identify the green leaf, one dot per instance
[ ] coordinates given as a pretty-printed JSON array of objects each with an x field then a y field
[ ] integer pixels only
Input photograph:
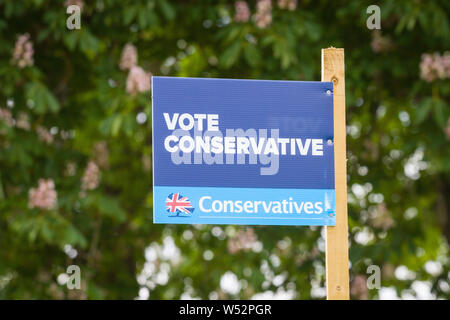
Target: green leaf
[
  {"x": 423, "y": 109},
  {"x": 89, "y": 44},
  {"x": 110, "y": 207},
  {"x": 129, "y": 14},
  {"x": 71, "y": 39},
  {"x": 115, "y": 126},
  {"x": 440, "y": 113},
  {"x": 230, "y": 55},
  {"x": 143, "y": 19},
  {"x": 43, "y": 99},
  {"x": 252, "y": 55},
  {"x": 73, "y": 236},
  {"x": 167, "y": 10}
]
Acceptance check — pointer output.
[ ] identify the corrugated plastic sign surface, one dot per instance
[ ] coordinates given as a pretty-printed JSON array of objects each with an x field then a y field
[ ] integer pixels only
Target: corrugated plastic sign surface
[{"x": 251, "y": 152}]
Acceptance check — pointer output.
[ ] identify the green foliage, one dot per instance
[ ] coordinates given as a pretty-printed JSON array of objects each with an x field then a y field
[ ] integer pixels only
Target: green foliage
[{"x": 398, "y": 154}]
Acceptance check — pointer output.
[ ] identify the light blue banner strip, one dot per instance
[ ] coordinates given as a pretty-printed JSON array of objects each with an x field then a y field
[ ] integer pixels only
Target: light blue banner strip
[{"x": 243, "y": 206}]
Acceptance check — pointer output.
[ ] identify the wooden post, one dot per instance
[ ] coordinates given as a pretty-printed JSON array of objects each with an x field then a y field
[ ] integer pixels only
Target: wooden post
[{"x": 337, "y": 273}]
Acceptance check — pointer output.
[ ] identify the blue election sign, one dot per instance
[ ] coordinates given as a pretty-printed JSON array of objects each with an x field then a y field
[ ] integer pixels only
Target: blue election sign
[{"x": 251, "y": 152}]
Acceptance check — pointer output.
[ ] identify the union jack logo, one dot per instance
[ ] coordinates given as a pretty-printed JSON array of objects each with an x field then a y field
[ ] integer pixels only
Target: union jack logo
[{"x": 176, "y": 203}]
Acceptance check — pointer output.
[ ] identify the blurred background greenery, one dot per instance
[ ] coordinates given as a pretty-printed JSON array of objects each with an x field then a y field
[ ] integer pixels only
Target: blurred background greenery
[{"x": 75, "y": 147}]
